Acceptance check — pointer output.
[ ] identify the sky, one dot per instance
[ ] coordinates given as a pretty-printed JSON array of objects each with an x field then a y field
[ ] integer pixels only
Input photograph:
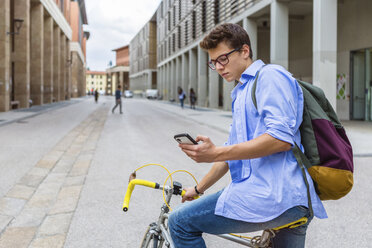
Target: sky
[{"x": 113, "y": 24}]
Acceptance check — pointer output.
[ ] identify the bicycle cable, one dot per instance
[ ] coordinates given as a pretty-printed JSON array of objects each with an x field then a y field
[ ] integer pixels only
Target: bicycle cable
[
  {"x": 165, "y": 168},
  {"x": 170, "y": 175}
]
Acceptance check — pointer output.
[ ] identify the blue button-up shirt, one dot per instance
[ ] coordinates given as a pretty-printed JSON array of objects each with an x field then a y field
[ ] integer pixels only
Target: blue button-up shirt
[{"x": 264, "y": 188}]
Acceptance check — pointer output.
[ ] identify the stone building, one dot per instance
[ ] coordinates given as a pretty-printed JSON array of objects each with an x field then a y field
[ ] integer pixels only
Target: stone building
[
  {"x": 78, "y": 48},
  {"x": 96, "y": 80},
  {"x": 327, "y": 43},
  {"x": 143, "y": 58},
  {"x": 35, "y": 59},
  {"x": 118, "y": 74}
]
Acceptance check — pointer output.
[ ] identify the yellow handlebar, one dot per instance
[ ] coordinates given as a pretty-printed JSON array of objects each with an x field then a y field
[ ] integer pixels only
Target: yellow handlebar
[
  {"x": 130, "y": 188},
  {"x": 184, "y": 192}
]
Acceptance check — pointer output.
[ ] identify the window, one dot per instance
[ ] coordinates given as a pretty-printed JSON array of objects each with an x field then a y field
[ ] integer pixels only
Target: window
[
  {"x": 92, "y": 76},
  {"x": 168, "y": 20},
  {"x": 204, "y": 16},
  {"x": 216, "y": 11},
  {"x": 174, "y": 42},
  {"x": 101, "y": 76},
  {"x": 174, "y": 15},
  {"x": 234, "y": 7},
  {"x": 194, "y": 24},
  {"x": 179, "y": 10},
  {"x": 100, "y": 83},
  {"x": 179, "y": 36},
  {"x": 186, "y": 31},
  {"x": 92, "y": 82}
]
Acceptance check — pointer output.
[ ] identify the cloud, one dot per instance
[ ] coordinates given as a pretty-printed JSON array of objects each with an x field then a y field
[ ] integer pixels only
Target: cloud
[{"x": 113, "y": 24}]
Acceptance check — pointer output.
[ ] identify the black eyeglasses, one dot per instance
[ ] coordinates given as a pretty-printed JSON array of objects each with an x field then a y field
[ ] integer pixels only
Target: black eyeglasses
[{"x": 223, "y": 59}]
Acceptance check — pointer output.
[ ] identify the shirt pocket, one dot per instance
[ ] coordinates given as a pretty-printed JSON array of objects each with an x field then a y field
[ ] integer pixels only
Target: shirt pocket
[{"x": 239, "y": 170}]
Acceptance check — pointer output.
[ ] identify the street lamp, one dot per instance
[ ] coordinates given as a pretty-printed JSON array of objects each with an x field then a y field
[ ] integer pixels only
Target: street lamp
[{"x": 18, "y": 24}]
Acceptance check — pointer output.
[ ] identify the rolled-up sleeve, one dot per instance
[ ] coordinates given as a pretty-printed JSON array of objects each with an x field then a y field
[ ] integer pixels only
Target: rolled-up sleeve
[{"x": 277, "y": 103}]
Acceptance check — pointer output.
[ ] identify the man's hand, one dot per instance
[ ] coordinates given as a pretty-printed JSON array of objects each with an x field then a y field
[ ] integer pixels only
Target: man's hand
[
  {"x": 189, "y": 195},
  {"x": 204, "y": 152}
]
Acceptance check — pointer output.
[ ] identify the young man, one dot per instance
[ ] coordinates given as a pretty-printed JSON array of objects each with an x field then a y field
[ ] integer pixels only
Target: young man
[
  {"x": 117, "y": 99},
  {"x": 267, "y": 188}
]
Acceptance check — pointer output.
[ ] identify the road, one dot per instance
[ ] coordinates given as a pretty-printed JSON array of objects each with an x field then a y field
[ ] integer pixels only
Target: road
[{"x": 64, "y": 174}]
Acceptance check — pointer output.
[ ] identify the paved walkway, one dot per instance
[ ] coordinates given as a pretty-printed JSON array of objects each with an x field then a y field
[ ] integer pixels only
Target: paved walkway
[{"x": 39, "y": 208}]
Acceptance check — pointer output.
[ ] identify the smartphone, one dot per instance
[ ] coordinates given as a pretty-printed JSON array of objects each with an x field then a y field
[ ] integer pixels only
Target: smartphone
[{"x": 185, "y": 138}]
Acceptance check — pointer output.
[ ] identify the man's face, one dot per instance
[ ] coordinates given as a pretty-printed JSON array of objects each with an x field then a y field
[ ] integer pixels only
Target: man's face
[{"x": 237, "y": 61}]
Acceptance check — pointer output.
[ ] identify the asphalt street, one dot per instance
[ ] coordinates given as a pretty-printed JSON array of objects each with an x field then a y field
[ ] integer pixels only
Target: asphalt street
[{"x": 90, "y": 153}]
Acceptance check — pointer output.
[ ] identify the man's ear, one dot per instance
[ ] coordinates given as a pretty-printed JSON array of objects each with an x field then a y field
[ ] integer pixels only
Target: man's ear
[{"x": 245, "y": 50}]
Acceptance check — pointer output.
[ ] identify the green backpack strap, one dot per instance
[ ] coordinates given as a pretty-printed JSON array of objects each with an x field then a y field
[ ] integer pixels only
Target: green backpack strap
[
  {"x": 302, "y": 160},
  {"x": 254, "y": 86}
]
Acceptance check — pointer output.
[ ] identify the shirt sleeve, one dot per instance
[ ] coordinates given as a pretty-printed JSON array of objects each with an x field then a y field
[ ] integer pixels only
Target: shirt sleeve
[{"x": 277, "y": 97}]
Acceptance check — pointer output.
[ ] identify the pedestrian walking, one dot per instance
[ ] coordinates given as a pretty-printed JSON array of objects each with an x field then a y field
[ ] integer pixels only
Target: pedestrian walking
[
  {"x": 267, "y": 188},
  {"x": 117, "y": 99},
  {"x": 181, "y": 96},
  {"x": 192, "y": 98},
  {"x": 96, "y": 95}
]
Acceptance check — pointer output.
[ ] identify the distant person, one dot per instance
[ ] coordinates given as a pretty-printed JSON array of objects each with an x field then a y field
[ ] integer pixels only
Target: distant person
[
  {"x": 117, "y": 99},
  {"x": 192, "y": 98},
  {"x": 96, "y": 95},
  {"x": 181, "y": 96}
]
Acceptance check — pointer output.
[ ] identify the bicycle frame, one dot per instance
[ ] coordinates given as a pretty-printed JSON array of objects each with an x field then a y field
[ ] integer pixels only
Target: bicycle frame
[{"x": 159, "y": 230}]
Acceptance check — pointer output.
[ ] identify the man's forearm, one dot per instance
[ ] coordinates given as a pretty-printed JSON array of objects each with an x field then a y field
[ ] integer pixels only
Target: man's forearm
[
  {"x": 217, "y": 171},
  {"x": 261, "y": 146}
]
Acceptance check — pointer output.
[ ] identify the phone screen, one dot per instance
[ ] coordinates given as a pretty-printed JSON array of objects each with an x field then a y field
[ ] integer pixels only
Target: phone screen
[{"x": 185, "y": 138}]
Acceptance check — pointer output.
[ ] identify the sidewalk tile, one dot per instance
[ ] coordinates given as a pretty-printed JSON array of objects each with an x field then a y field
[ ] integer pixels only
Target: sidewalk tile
[
  {"x": 21, "y": 191},
  {"x": 17, "y": 237},
  {"x": 4, "y": 221},
  {"x": 67, "y": 201},
  {"x": 56, "y": 241},
  {"x": 11, "y": 206},
  {"x": 74, "y": 181},
  {"x": 46, "y": 163},
  {"x": 55, "y": 224},
  {"x": 31, "y": 180},
  {"x": 29, "y": 217},
  {"x": 80, "y": 168}
]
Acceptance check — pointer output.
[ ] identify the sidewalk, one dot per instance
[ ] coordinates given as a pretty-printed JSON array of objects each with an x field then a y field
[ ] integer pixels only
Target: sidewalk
[{"x": 18, "y": 115}]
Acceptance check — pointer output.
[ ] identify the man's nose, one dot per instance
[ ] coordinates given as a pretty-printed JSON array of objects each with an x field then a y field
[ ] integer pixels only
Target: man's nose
[{"x": 219, "y": 66}]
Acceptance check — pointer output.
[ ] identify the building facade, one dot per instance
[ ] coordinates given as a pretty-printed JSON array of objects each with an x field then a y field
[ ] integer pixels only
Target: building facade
[
  {"x": 96, "y": 80},
  {"x": 78, "y": 48},
  {"x": 143, "y": 59},
  {"x": 118, "y": 74},
  {"x": 327, "y": 43},
  {"x": 35, "y": 58}
]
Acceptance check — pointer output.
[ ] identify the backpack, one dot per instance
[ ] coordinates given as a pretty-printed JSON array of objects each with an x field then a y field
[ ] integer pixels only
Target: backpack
[{"x": 328, "y": 154}]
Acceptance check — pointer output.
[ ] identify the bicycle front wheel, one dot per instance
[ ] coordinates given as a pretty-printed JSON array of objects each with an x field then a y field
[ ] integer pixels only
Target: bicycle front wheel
[{"x": 150, "y": 240}]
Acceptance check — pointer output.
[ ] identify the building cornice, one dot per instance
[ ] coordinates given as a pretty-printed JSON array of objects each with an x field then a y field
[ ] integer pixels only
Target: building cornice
[
  {"x": 58, "y": 17},
  {"x": 118, "y": 69},
  {"x": 142, "y": 73},
  {"x": 75, "y": 47}
]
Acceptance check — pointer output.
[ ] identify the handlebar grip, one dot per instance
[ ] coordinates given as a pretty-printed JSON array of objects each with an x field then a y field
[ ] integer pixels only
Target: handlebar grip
[
  {"x": 184, "y": 192},
  {"x": 130, "y": 189}
]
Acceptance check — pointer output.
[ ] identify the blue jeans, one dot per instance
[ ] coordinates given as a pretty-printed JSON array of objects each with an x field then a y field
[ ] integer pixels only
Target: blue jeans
[{"x": 187, "y": 223}]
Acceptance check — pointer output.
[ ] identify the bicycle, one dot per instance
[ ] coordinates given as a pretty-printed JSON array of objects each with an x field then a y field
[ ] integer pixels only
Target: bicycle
[{"x": 157, "y": 234}]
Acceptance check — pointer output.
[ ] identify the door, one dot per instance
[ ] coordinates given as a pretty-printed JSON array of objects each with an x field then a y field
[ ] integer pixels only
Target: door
[{"x": 358, "y": 85}]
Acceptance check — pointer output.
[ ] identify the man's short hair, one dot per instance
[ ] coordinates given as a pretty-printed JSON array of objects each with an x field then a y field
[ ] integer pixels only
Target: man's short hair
[{"x": 232, "y": 34}]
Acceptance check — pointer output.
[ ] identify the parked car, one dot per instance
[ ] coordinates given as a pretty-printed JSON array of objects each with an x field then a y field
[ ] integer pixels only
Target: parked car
[
  {"x": 151, "y": 94},
  {"x": 128, "y": 94}
]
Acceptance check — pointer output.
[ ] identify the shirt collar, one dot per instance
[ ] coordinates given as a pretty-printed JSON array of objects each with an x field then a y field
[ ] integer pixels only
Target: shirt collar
[{"x": 251, "y": 71}]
